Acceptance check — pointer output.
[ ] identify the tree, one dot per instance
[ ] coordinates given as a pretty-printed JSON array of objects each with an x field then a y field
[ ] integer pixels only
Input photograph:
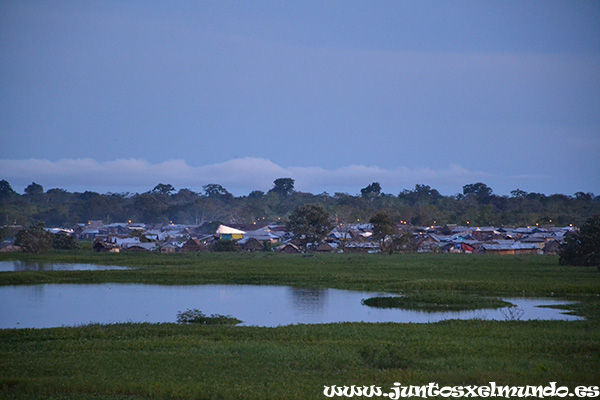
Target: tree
[
  {"x": 480, "y": 191},
  {"x": 309, "y": 223},
  {"x": 34, "y": 239},
  {"x": 215, "y": 190},
  {"x": 582, "y": 248},
  {"x": 149, "y": 208},
  {"x": 584, "y": 196},
  {"x": 403, "y": 244},
  {"x": 518, "y": 193},
  {"x": 162, "y": 188},
  {"x": 283, "y": 186},
  {"x": 184, "y": 196},
  {"x": 63, "y": 241},
  {"x": 421, "y": 194},
  {"x": 34, "y": 189},
  {"x": 373, "y": 190},
  {"x": 6, "y": 191},
  {"x": 382, "y": 227},
  {"x": 256, "y": 194}
]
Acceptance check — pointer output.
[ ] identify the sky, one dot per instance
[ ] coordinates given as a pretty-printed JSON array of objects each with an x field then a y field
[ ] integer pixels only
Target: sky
[{"x": 116, "y": 96}]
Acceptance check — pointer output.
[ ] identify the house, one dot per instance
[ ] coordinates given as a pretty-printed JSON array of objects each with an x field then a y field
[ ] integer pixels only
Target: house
[
  {"x": 426, "y": 242},
  {"x": 539, "y": 239},
  {"x": 552, "y": 247},
  {"x": 252, "y": 245},
  {"x": 193, "y": 245},
  {"x": 169, "y": 248},
  {"x": 325, "y": 247},
  {"x": 10, "y": 248},
  {"x": 527, "y": 248},
  {"x": 460, "y": 248},
  {"x": 448, "y": 229},
  {"x": 228, "y": 233},
  {"x": 106, "y": 247},
  {"x": 89, "y": 233},
  {"x": 289, "y": 248},
  {"x": 139, "y": 247},
  {"x": 262, "y": 235},
  {"x": 515, "y": 248},
  {"x": 362, "y": 247},
  {"x": 500, "y": 249}
]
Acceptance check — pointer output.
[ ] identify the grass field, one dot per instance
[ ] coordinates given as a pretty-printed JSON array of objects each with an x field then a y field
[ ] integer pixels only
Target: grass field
[{"x": 140, "y": 361}]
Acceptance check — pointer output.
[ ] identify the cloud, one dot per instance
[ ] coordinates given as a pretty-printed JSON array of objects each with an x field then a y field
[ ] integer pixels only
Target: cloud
[{"x": 239, "y": 176}]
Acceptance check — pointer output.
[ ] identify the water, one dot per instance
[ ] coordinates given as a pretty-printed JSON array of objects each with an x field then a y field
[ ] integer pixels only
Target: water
[
  {"x": 39, "y": 266},
  {"x": 53, "y": 305}
]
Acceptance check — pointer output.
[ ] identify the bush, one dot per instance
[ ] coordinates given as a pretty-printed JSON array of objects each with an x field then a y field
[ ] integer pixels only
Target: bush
[
  {"x": 582, "y": 248},
  {"x": 198, "y": 317}
]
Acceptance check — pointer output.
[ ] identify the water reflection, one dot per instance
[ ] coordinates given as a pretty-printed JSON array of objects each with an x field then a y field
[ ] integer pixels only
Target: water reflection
[
  {"x": 17, "y": 266},
  {"x": 307, "y": 299},
  {"x": 40, "y": 306}
]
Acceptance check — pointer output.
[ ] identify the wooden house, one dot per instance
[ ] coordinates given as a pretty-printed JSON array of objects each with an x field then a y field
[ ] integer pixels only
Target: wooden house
[
  {"x": 552, "y": 247},
  {"x": 135, "y": 249},
  {"x": 193, "y": 245},
  {"x": 290, "y": 248},
  {"x": 106, "y": 247},
  {"x": 169, "y": 248},
  {"x": 325, "y": 247},
  {"x": 10, "y": 248},
  {"x": 253, "y": 245}
]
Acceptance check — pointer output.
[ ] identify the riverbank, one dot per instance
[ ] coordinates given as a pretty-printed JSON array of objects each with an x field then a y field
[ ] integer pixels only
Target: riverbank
[
  {"x": 504, "y": 275},
  {"x": 139, "y": 361}
]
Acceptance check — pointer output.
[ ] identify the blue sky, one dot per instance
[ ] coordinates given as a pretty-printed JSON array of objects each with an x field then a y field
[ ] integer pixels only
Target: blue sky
[{"x": 118, "y": 96}]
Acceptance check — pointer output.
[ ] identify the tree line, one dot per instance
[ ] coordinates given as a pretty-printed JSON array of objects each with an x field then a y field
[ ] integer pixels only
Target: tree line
[{"x": 477, "y": 205}]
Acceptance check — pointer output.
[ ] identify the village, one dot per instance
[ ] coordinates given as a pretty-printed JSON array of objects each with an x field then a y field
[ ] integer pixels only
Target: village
[{"x": 343, "y": 238}]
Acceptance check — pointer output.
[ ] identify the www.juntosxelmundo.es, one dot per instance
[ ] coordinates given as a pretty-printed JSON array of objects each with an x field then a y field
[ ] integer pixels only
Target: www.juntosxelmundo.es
[{"x": 398, "y": 391}]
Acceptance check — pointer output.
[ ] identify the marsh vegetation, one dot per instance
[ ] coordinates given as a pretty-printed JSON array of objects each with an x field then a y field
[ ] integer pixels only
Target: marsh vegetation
[{"x": 180, "y": 361}]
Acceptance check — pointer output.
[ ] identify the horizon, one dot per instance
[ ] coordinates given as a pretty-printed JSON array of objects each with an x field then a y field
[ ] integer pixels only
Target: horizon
[{"x": 200, "y": 190}]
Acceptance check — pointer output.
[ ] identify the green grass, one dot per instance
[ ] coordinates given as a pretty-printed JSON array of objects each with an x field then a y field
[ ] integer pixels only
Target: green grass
[
  {"x": 191, "y": 361},
  {"x": 505, "y": 275},
  {"x": 294, "y": 362},
  {"x": 436, "y": 301}
]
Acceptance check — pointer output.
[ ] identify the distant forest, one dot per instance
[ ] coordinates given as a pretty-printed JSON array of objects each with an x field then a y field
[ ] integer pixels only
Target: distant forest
[{"x": 476, "y": 206}]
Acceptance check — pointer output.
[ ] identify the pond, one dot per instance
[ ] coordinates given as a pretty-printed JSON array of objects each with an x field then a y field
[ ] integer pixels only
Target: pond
[
  {"x": 40, "y": 266},
  {"x": 54, "y": 305}
]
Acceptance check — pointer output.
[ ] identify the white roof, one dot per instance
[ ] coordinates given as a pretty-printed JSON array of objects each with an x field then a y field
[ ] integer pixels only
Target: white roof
[{"x": 227, "y": 230}]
